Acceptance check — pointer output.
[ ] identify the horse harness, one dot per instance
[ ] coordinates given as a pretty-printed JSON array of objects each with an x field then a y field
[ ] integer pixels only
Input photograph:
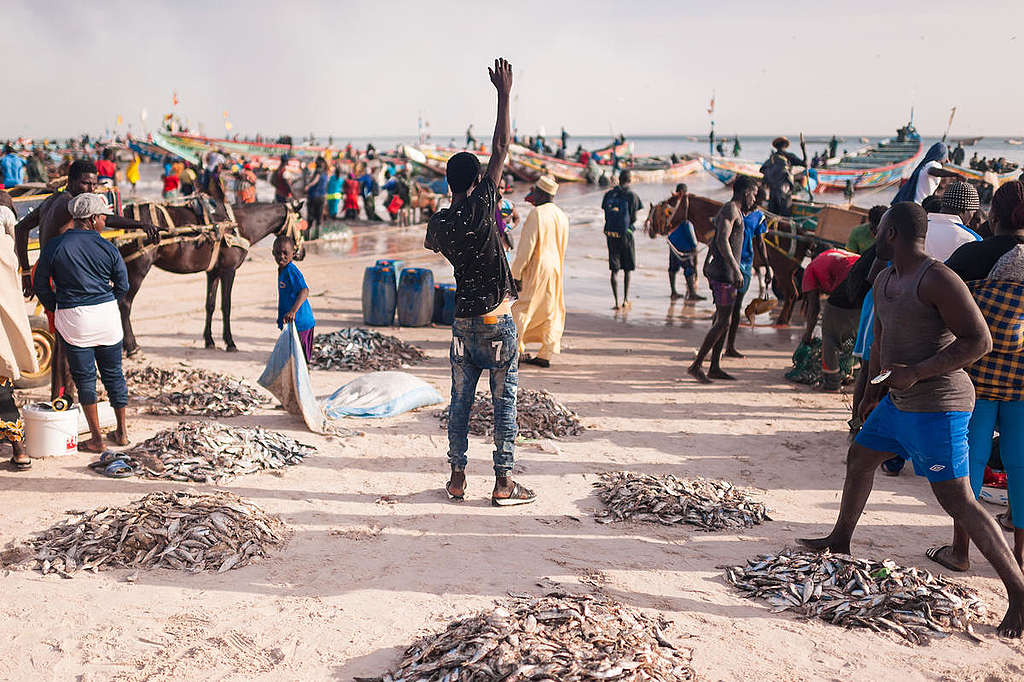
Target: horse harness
[{"x": 221, "y": 233}]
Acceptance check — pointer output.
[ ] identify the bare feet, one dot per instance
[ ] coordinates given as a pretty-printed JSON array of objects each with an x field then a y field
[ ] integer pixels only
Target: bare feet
[
  {"x": 93, "y": 445},
  {"x": 825, "y": 543},
  {"x": 733, "y": 353},
  {"x": 1013, "y": 621},
  {"x": 696, "y": 297},
  {"x": 626, "y": 305},
  {"x": 719, "y": 373},
  {"x": 118, "y": 438},
  {"x": 697, "y": 373},
  {"x": 675, "y": 296},
  {"x": 456, "y": 487}
]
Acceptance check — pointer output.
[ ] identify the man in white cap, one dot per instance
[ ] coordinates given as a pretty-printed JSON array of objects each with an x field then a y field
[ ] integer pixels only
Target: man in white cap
[
  {"x": 539, "y": 311},
  {"x": 88, "y": 277}
]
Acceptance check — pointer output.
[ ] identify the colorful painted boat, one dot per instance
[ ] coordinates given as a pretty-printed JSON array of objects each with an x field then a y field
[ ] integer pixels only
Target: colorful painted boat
[
  {"x": 996, "y": 180},
  {"x": 248, "y": 148},
  {"x": 726, "y": 169},
  {"x": 561, "y": 169},
  {"x": 604, "y": 155},
  {"x": 656, "y": 170},
  {"x": 875, "y": 167}
]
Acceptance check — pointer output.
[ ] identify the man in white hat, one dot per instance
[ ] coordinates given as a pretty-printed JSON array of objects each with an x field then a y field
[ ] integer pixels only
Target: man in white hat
[
  {"x": 539, "y": 311},
  {"x": 88, "y": 277}
]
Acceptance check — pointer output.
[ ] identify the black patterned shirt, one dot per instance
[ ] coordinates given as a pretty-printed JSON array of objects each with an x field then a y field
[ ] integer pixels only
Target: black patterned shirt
[{"x": 467, "y": 235}]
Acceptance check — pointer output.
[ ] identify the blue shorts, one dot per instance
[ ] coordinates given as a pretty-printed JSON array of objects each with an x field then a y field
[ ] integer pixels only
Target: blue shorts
[
  {"x": 865, "y": 329},
  {"x": 747, "y": 274},
  {"x": 936, "y": 442}
]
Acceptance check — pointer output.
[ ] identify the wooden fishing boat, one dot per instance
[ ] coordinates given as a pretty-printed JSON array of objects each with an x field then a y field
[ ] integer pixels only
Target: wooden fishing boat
[
  {"x": 247, "y": 148},
  {"x": 873, "y": 167},
  {"x": 654, "y": 169},
  {"x": 561, "y": 169},
  {"x": 604, "y": 155},
  {"x": 996, "y": 180}
]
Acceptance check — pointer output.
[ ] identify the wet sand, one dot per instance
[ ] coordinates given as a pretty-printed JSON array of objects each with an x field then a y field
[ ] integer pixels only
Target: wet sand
[{"x": 360, "y": 579}]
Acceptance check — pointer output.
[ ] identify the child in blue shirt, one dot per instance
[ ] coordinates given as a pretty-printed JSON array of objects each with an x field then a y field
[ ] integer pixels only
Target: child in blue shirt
[{"x": 292, "y": 295}]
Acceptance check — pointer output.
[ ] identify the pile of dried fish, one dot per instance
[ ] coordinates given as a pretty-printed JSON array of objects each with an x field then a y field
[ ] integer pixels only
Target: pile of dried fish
[
  {"x": 557, "y": 637},
  {"x": 910, "y": 602},
  {"x": 703, "y": 502},
  {"x": 189, "y": 391},
  {"x": 362, "y": 350},
  {"x": 183, "y": 530},
  {"x": 208, "y": 452},
  {"x": 539, "y": 416}
]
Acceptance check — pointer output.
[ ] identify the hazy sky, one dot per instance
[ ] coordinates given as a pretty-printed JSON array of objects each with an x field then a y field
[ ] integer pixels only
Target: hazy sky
[{"x": 640, "y": 67}]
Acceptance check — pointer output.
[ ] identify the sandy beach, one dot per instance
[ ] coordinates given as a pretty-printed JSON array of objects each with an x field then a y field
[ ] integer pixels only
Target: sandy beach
[{"x": 377, "y": 556}]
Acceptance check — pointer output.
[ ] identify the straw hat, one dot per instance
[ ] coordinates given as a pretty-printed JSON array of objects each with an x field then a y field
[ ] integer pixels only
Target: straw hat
[
  {"x": 546, "y": 183},
  {"x": 780, "y": 142}
]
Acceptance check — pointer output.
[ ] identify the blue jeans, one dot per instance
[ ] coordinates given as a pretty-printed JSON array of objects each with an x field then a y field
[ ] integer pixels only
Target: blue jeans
[
  {"x": 1008, "y": 415},
  {"x": 478, "y": 346},
  {"x": 83, "y": 362}
]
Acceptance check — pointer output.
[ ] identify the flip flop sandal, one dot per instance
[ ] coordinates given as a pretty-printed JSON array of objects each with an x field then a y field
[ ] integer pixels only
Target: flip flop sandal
[
  {"x": 21, "y": 466},
  {"x": 933, "y": 554},
  {"x": 520, "y": 495},
  {"x": 108, "y": 457},
  {"x": 119, "y": 469},
  {"x": 452, "y": 496}
]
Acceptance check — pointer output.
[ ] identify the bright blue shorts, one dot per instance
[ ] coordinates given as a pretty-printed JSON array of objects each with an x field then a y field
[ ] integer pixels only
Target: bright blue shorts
[
  {"x": 936, "y": 442},
  {"x": 865, "y": 329}
]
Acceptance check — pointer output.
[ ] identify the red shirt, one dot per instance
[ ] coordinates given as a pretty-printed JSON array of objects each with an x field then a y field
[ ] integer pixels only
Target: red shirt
[
  {"x": 171, "y": 183},
  {"x": 826, "y": 271},
  {"x": 105, "y": 168}
]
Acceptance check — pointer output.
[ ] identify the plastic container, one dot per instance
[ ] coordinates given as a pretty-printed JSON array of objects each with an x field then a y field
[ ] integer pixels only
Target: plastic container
[
  {"x": 396, "y": 265},
  {"x": 380, "y": 294},
  {"x": 49, "y": 433},
  {"x": 444, "y": 304},
  {"x": 416, "y": 297}
]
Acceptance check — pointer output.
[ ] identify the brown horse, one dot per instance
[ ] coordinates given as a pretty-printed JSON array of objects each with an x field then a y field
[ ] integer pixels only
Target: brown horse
[{"x": 218, "y": 250}]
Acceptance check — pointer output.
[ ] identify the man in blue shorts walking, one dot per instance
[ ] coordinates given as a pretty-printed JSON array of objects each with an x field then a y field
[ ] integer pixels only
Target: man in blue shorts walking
[{"x": 927, "y": 329}]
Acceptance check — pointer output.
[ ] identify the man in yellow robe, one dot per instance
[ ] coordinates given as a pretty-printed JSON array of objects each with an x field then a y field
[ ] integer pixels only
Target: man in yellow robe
[{"x": 539, "y": 312}]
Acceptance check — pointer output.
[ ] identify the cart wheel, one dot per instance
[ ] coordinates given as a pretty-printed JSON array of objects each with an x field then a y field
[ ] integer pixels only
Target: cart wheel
[{"x": 43, "y": 341}]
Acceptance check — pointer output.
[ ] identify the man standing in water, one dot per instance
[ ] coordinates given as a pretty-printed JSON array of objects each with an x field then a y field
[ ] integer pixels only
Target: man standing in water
[
  {"x": 620, "y": 205},
  {"x": 484, "y": 333},
  {"x": 927, "y": 329},
  {"x": 722, "y": 269}
]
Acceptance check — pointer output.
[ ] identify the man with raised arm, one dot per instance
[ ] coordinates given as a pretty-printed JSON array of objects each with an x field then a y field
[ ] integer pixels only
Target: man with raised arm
[
  {"x": 484, "y": 333},
  {"x": 927, "y": 329}
]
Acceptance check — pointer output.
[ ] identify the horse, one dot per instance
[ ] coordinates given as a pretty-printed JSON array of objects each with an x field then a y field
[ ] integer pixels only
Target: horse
[
  {"x": 421, "y": 199},
  {"x": 200, "y": 240}
]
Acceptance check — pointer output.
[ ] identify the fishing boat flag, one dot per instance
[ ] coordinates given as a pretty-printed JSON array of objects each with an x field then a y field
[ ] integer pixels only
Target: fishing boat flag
[
  {"x": 711, "y": 105},
  {"x": 174, "y": 98}
]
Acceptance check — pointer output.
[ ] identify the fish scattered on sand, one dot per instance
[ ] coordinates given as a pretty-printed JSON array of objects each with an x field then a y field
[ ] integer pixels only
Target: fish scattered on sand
[
  {"x": 189, "y": 531},
  {"x": 703, "y": 502},
  {"x": 190, "y": 391},
  {"x": 355, "y": 348},
  {"x": 209, "y": 452},
  {"x": 539, "y": 415},
  {"x": 911, "y": 603},
  {"x": 560, "y": 637}
]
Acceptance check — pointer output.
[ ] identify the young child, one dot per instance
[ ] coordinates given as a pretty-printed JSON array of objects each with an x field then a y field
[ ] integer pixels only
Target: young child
[{"x": 292, "y": 293}]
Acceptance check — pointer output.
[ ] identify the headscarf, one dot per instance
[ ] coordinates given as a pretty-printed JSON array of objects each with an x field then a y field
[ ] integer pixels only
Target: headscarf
[
  {"x": 937, "y": 152},
  {"x": 1008, "y": 205}
]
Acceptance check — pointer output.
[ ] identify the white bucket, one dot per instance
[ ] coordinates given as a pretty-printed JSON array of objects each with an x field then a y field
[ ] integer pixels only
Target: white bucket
[
  {"x": 103, "y": 410},
  {"x": 49, "y": 433}
]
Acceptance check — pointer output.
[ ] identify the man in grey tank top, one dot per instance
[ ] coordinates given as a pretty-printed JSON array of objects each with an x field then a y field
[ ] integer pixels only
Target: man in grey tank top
[{"x": 927, "y": 329}]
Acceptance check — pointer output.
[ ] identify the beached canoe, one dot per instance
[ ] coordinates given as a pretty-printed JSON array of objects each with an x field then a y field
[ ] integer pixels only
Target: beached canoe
[
  {"x": 604, "y": 155},
  {"x": 872, "y": 167},
  {"x": 561, "y": 169},
  {"x": 656, "y": 170},
  {"x": 996, "y": 180}
]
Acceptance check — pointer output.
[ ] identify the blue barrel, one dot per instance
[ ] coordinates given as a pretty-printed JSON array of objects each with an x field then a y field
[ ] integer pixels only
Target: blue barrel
[
  {"x": 379, "y": 296},
  {"x": 395, "y": 265},
  {"x": 416, "y": 297},
  {"x": 444, "y": 304}
]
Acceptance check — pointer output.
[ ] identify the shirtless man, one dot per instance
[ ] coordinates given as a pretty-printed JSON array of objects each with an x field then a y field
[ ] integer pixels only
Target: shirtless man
[
  {"x": 927, "y": 329},
  {"x": 722, "y": 268},
  {"x": 53, "y": 217}
]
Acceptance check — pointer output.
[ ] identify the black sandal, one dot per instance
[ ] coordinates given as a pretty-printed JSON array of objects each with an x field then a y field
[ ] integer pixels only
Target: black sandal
[
  {"x": 520, "y": 495},
  {"x": 21, "y": 466}
]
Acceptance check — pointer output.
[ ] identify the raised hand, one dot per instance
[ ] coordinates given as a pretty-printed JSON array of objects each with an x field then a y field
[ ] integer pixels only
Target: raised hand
[{"x": 501, "y": 76}]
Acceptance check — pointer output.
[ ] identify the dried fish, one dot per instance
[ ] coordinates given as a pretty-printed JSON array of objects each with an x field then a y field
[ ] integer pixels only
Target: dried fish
[
  {"x": 190, "y": 391},
  {"x": 355, "y": 348},
  {"x": 706, "y": 503},
  {"x": 539, "y": 415},
  {"x": 209, "y": 452},
  {"x": 162, "y": 530},
  {"x": 912, "y": 603},
  {"x": 556, "y": 637}
]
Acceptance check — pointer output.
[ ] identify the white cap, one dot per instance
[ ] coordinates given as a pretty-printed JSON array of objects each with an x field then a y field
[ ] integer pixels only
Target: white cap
[{"x": 87, "y": 205}]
